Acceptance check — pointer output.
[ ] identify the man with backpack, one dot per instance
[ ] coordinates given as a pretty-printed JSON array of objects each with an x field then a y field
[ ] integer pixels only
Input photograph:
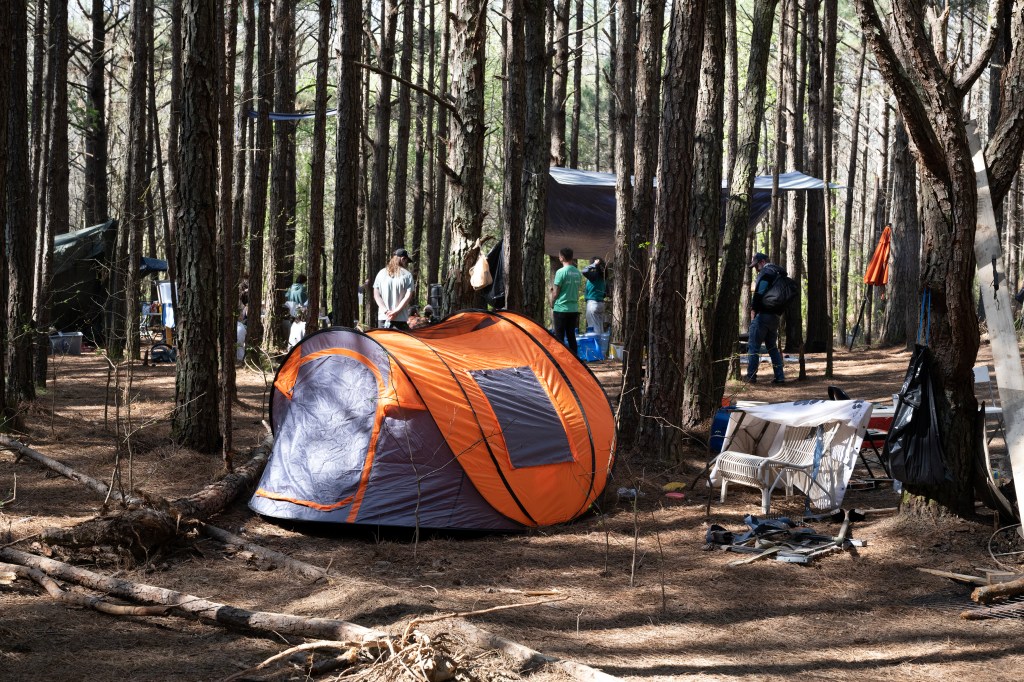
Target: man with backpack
[{"x": 765, "y": 305}]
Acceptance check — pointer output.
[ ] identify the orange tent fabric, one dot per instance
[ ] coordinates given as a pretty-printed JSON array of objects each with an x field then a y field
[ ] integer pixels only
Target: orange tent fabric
[
  {"x": 877, "y": 274},
  {"x": 480, "y": 421}
]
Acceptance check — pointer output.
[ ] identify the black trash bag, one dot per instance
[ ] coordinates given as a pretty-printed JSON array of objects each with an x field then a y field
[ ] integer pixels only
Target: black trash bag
[{"x": 913, "y": 446}]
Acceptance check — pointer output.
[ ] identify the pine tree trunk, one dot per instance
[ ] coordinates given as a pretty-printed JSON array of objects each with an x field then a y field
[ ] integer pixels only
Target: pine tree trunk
[
  {"x": 663, "y": 382},
  {"x": 243, "y": 127},
  {"x": 794, "y": 161},
  {"x": 95, "y": 188},
  {"x": 817, "y": 330},
  {"x": 19, "y": 226},
  {"x": 56, "y": 175},
  {"x": 464, "y": 208},
  {"x": 400, "y": 195},
  {"x": 7, "y": 52},
  {"x": 738, "y": 209},
  {"x": 598, "y": 67},
  {"x": 345, "y": 281},
  {"x": 133, "y": 208},
  {"x": 227, "y": 263},
  {"x": 851, "y": 176},
  {"x": 195, "y": 422},
  {"x": 535, "y": 163},
  {"x": 629, "y": 295},
  {"x": 900, "y": 323},
  {"x": 282, "y": 214},
  {"x": 705, "y": 218},
  {"x": 577, "y": 89},
  {"x": 436, "y": 225},
  {"x": 381, "y": 240},
  {"x": 423, "y": 124},
  {"x": 514, "y": 124},
  {"x": 256, "y": 192},
  {"x": 559, "y": 79},
  {"x": 317, "y": 175}
]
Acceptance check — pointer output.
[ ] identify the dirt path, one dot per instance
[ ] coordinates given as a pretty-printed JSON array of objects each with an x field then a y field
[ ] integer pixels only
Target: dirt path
[{"x": 686, "y": 615}]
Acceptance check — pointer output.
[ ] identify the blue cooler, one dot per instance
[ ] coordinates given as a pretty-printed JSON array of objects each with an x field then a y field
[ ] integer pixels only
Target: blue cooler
[
  {"x": 589, "y": 348},
  {"x": 718, "y": 427}
]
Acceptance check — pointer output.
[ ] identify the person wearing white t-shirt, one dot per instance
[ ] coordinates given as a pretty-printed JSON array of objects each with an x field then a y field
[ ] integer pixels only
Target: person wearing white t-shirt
[{"x": 392, "y": 290}]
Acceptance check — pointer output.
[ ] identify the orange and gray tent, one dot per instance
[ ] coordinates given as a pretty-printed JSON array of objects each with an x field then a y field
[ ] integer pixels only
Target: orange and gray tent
[{"x": 482, "y": 421}]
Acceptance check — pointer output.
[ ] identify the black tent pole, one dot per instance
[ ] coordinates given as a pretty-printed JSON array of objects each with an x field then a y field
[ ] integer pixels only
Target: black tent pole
[{"x": 860, "y": 316}]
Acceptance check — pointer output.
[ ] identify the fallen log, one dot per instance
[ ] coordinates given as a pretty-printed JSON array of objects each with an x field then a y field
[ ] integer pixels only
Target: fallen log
[
  {"x": 144, "y": 529},
  {"x": 64, "y": 470},
  {"x": 295, "y": 566},
  {"x": 991, "y": 593},
  {"x": 525, "y": 657},
  {"x": 81, "y": 600},
  {"x": 265, "y": 622}
]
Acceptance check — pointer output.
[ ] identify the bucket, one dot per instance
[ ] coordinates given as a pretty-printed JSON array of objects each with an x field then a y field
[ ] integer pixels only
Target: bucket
[{"x": 718, "y": 427}]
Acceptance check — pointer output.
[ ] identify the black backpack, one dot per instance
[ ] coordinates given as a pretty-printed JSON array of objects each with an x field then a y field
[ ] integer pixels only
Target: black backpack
[{"x": 782, "y": 291}]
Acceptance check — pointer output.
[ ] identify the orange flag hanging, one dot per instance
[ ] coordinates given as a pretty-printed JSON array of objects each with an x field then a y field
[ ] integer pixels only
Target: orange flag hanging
[{"x": 878, "y": 269}]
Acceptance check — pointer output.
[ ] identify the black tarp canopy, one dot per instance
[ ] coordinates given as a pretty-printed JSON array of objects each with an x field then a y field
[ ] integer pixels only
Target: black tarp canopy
[
  {"x": 81, "y": 271},
  {"x": 581, "y": 208}
]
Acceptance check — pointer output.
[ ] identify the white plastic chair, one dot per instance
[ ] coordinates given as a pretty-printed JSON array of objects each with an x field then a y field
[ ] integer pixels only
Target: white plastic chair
[
  {"x": 795, "y": 455},
  {"x": 983, "y": 381}
]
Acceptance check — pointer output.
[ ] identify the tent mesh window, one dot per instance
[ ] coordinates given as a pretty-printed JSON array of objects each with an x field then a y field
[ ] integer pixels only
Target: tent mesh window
[{"x": 534, "y": 435}]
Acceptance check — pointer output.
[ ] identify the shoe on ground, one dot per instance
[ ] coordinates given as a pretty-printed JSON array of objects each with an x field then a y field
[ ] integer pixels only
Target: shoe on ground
[
  {"x": 778, "y": 381},
  {"x": 749, "y": 380}
]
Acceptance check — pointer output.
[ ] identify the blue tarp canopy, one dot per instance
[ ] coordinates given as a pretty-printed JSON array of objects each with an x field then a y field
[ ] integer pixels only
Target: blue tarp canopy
[{"x": 581, "y": 208}]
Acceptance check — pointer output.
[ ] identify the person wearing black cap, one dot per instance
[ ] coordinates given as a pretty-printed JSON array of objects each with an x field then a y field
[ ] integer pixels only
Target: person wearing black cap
[
  {"x": 764, "y": 325},
  {"x": 392, "y": 290}
]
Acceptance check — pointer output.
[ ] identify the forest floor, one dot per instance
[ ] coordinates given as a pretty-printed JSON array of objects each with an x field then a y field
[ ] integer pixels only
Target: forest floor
[{"x": 642, "y": 600}]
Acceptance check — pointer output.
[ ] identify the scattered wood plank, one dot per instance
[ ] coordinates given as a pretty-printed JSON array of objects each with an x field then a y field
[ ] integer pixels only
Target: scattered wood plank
[{"x": 957, "y": 577}]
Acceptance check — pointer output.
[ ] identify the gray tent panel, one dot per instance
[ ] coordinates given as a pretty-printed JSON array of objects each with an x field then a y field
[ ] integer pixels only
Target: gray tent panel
[{"x": 534, "y": 433}]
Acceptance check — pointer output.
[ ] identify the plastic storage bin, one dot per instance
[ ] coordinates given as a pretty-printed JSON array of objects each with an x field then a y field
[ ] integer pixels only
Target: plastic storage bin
[
  {"x": 589, "y": 348},
  {"x": 66, "y": 343},
  {"x": 718, "y": 427}
]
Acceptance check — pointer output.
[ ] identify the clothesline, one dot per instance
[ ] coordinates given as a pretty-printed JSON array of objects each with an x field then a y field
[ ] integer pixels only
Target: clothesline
[{"x": 297, "y": 116}]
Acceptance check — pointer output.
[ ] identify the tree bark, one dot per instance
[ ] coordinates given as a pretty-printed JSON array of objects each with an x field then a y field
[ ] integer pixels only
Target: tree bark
[
  {"x": 243, "y": 126},
  {"x": 817, "y": 313},
  {"x": 663, "y": 383},
  {"x": 535, "y": 163},
  {"x": 377, "y": 205},
  {"x": 899, "y": 326},
  {"x": 598, "y": 68},
  {"x": 256, "y": 192},
  {"x": 464, "y": 208},
  {"x": 133, "y": 208},
  {"x": 95, "y": 188},
  {"x": 630, "y": 295},
  {"x": 559, "y": 79},
  {"x": 734, "y": 243},
  {"x": 7, "y": 51},
  {"x": 796, "y": 201},
  {"x": 226, "y": 257},
  {"x": 19, "y": 225},
  {"x": 398, "y": 204},
  {"x": 345, "y": 282},
  {"x": 435, "y": 232},
  {"x": 851, "y": 176},
  {"x": 423, "y": 128},
  {"x": 930, "y": 100},
  {"x": 280, "y": 258},
  {"x": 316, "y": 174},
  {"x": 514, "y": 124},
  {"x": 195, "y": 422},
  {"x": 56, "y": 176},
  {"x": 705, "y": 218},
  {"x": 577, "y": 88}
]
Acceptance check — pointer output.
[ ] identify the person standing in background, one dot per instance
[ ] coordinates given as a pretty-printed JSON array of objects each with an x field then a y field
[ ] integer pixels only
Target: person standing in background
[
  {"x": 595, "y": 293},
  {"x": 764, "y": 324},
  {"x": 565, "y": 300},
  {"x": 392, "y": 290}
]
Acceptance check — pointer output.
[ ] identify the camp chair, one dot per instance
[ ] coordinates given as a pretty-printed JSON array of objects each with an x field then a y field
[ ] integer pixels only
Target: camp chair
[
  {"x": 983, "y": 381},
  {"x": 873, "y": 438},
  {"x": 794, "y": 456}
]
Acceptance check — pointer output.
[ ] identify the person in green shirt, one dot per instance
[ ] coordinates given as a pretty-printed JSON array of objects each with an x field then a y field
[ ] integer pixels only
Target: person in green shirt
[{"x": 565, "y": 300}]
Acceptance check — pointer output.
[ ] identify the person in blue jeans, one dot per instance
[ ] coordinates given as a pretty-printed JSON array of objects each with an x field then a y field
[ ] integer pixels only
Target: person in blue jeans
[{"x": 764, "y": 325}]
